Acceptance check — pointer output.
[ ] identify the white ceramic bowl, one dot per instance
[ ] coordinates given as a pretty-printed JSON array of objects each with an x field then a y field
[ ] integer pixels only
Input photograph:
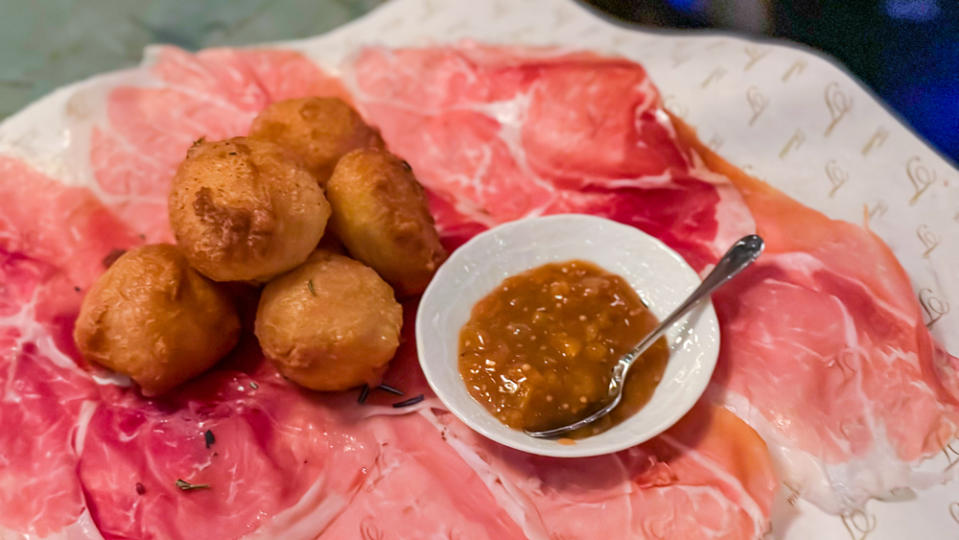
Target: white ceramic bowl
[{"x": 658, "y": 274}]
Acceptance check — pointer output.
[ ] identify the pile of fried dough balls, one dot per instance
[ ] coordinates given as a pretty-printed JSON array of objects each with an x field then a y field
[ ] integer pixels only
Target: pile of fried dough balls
[{"x": 275, "y": 208}]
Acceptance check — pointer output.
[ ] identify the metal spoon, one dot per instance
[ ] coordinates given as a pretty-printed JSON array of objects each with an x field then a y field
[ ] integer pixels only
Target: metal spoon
[{"x": 741, "y": 255}]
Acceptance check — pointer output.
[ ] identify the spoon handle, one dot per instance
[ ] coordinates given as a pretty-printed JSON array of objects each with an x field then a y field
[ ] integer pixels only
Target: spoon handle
[{"x": 739, "y": 256}]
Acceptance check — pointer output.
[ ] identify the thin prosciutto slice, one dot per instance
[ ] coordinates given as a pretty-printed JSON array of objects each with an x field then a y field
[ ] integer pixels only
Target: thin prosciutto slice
[
  {"x": 52, "y": 238},
  {"x": 824, "y": 351},
  {"x": 498, "y": 134},
  {"x": 83, "y": 455},
  {"x": 658, "y": 490}
]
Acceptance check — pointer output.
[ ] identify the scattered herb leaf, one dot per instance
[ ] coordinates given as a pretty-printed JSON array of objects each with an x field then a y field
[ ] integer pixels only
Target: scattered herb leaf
[
  {"x": 364, "y": 392},
  {"x": 309, "y": 285},
  {"x": 253, "y": 385},
  {"x": 140, "y": 489},
  {"x": 390, "y": 389},
  {"x": 199, "y": 141},
  {"x": 408, "y": 402},
  {"x": 186, "y": 486},
  {"x": 232, "y": 153},
  {"x": 406, "y": 165},
  {"x": 142, "y": 236},
  {"x": 208, "y": 438},
  {"x": 78, "y": 289}
]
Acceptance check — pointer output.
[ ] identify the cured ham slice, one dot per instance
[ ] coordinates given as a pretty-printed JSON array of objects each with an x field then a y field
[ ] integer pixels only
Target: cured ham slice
[
  {"x": 255, "y": 443},
  {"x": 83, "y": 455},
  {"x": 503, "y": 133},
  {"x": 824, "y": 350},
  {"x": 825, "y": 353},
  {"x": 722, "y": 489},
  {"x": 421, "y": 488},
  {"x": 52, "y": 239}
]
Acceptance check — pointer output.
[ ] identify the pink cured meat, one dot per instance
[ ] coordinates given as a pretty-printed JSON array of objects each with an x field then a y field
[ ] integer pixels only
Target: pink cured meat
[
  {"x": 826, "y": 354},
  {"x": 824, "y": 349},
  {"x": 417, "y": 478},
  {"x": 661, "y": 489},
  {"x": 271, "y": 444},
  {"x": 498, "y": 134},
  {"x": 284, "y": 463},
  {"x": 52, "y": 239}
]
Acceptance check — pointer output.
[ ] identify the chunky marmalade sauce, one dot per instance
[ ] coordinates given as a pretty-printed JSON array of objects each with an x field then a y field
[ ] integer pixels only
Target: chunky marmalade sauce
[{"x": 538, "y": 351}]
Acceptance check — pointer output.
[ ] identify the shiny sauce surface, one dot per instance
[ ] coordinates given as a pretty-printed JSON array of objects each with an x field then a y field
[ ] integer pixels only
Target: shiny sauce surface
[{"x": 539, "y": 350}]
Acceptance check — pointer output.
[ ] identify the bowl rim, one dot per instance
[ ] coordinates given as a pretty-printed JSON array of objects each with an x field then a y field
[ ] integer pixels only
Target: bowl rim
[{"x": 698, "y": 385}]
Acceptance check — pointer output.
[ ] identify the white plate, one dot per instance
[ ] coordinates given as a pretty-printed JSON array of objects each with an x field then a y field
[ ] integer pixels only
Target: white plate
[
  {"x": 658, "y": 274},
  {"x": 788, "y": 116}
]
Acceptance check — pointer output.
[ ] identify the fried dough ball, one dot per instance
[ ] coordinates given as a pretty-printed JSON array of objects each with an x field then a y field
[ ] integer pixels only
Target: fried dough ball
[
  {"x": 381, "y": 216},
  {"x": 319, "y": 130},
  {"x": 152, "y": 317},
  {"x": 329, "y": 325},
  {"x": 243, "y": 210}
]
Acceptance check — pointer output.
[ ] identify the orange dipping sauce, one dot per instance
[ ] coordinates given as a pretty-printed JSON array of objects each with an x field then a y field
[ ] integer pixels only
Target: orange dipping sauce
[{"x": 539, "y": 350}]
